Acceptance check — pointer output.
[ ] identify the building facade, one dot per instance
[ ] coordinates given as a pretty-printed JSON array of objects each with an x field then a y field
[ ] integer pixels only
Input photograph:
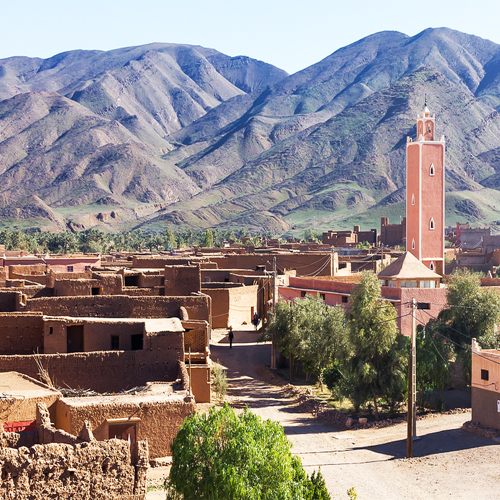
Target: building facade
[{"x": 425, "y": 169}]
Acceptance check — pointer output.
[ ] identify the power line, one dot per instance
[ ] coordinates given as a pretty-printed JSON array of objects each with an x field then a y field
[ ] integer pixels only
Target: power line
[{"x": 464, "y": 347}]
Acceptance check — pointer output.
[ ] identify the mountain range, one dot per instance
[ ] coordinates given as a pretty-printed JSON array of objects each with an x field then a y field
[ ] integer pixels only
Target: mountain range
[{"x": 176, "y": 136}]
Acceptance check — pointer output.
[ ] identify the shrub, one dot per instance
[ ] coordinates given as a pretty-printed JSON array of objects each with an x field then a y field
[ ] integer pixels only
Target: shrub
[
  {"x": 219, "y": 380},
  {"x": 237, "y": 457}
]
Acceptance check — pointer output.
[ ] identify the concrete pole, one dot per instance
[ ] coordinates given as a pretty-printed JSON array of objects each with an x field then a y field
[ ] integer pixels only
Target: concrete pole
[
  {"x": 273, "y": 347},
  {"x": 412, "y": 385}
]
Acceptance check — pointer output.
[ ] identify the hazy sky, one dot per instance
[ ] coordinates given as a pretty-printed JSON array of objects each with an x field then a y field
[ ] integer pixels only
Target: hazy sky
[{"x": 289, "y": 34}]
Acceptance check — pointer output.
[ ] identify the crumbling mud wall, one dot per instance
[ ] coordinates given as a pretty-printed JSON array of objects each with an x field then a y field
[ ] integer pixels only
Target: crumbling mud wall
[
  {"x": 99, "y": 470},
  {"x": 62, "y": 466}
]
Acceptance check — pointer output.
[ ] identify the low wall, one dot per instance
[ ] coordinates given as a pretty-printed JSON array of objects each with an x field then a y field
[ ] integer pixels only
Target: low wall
[
  {"x": 109, "y": 371},
  {"x": 56, "y": 470}
]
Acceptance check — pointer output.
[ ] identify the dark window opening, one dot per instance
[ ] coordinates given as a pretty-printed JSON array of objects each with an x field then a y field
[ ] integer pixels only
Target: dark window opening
[
  {"x": 322, "y": 296},
  {"x": 226, "y": 280},
  {"x": 423, "y": 305},
  {"x": 69, "y": 269},
  {"x": 87, "y": 268},
  {"x": 345, "y": 299},
  {"x": 302, "y": 294},
  {"x": 115, "y": 342},
  {"x": 485, "y": 375},
  {"x": 136, "y": 342},
  {"x": 51, "y": 330},
  {"x": 131, "y": 280},
  {"x": 74, "y": 338},
  {"x": 95, "y": 290}
]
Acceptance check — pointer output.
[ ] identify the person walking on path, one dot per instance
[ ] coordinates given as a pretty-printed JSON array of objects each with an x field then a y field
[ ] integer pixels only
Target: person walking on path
[{"x": 231, "y": 337}]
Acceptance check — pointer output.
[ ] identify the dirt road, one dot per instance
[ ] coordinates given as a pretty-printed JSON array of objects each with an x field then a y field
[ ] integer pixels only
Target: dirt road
[{"x": 448, "y": 463}]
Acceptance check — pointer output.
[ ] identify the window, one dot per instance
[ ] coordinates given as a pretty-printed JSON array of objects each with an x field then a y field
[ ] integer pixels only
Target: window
[
  {"x": 413, "y": 199},
  {"x": 344, "y": 299},
  {"x": 95, "y": 290},
  {"x": 322, "y": 296},
  {"x": 413, "y": 244},
  {"x": 51, "y": 330},
  {"x": 432, "y": 171},
  {"x": 302, "y": 294},
  {"x": 87, "y": 268},
  {"x": 428, "y": 284},
  {"x": 115, "y": 342},
  {"x": 432, "y": 266},
  {"x": 431, "y": 224},
  {"x": 485, "y": 375},
  {"x": 409, "y": 284},
  {"x": 69, "y": 269},
  {"x": 429, "y": 129},
  {"x": 423, "y": 305},
  {"x": 391, "y": 284}
]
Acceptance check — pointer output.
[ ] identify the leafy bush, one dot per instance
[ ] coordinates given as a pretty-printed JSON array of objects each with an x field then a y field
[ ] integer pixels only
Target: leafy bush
[{"x": 237, "y": 457}]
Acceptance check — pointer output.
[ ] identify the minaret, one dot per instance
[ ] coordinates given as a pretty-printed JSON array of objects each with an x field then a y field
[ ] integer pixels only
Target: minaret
[{"x": 425, "y": 194}]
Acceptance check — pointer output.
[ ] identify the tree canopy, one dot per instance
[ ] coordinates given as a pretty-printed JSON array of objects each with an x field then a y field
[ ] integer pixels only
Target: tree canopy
[
  {"x": 237, "y": 457},
  {"x": 374, "y": 363}
]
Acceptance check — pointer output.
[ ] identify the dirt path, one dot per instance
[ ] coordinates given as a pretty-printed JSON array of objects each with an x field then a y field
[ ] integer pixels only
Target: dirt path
[{"x": 449, "y": 463}]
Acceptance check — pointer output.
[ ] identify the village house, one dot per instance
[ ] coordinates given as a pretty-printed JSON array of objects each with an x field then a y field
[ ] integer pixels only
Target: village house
[{"x": 485, "y": 386}]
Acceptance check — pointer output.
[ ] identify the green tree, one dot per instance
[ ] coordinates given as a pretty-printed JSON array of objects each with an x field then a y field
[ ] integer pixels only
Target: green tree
[
  {"x": 472, "y": 312},
  {"x": 237, "y": 457},
  {"x": 374, "y": 362},
  {"x": 310, "y": 331},
  {"x": 433, "y": 361},
  {"x": 208, "y": 240}
]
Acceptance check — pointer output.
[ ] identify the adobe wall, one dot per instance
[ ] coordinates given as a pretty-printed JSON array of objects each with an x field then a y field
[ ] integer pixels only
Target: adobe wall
[
  {"x": 100, "y": 470},
  {"x": 73, "y": 287},
  {"x": 150, "y": 280},
  {"x": 27, "y": 270},
  {"x": 242, "y": 301},
  {"x": 485, "y": 407},
  {"x": 21, "y": 333},
  {"x": 304, "y": 263},
  {"x": 97, "y": 336},
  {"x": 9, "y": 300},
  {"x": 220, "y": 306},
  {"x": 120, "y": 306},
  {"x": 149, "y": 262},
  {"x": 109, "y": 283},
  {"x": 201, "y": 382},
  {"x": 159, "y": 420},
  {"x": 182, "y": 280},
  {"x": 109, "y": 371}
]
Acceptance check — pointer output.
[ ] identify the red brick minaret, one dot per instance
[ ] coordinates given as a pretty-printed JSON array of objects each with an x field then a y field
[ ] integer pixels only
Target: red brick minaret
[{"x": 425, "y": 195}]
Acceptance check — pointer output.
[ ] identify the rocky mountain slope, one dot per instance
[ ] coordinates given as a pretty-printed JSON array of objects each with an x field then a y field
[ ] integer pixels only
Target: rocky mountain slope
[{"x": 185, "y": 136}]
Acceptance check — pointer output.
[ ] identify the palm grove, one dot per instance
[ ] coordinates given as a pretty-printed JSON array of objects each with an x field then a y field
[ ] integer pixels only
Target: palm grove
[{"x": 360, "y": 355}]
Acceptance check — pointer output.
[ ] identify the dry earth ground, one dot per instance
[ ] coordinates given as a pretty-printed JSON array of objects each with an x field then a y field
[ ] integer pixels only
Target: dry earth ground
[{"x": 448, "y": 462}]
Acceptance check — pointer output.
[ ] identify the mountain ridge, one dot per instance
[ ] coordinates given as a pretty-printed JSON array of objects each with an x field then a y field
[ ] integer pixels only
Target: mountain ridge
[{"x": 190, "y": 137}]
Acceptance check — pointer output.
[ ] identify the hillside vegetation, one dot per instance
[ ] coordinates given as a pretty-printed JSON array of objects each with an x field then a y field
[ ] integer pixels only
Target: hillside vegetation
[{"x": 179, "y": 136}]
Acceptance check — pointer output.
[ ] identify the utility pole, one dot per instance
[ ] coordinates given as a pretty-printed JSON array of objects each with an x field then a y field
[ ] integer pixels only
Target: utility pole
[
  {"x": 412, "y": 385},
  {"x": 273, "y": 347}
]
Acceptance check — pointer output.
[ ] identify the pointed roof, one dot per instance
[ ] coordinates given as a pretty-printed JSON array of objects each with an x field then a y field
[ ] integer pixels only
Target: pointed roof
[{"x": 408, "y": 267}]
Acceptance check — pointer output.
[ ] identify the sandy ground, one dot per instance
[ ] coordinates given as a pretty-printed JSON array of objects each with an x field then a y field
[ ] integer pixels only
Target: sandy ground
[{"x": 447, "y": 463}]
